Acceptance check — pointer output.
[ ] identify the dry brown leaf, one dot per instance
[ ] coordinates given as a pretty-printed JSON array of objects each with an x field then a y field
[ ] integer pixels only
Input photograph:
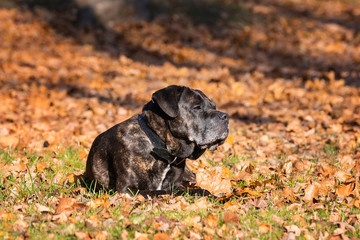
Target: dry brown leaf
[
  {"x": 345, "y": 189},
  {"x": 264, "y": 228},
  {"x": 82, "y": 235},
  {"x": 211, "y": 179},
  {"x": 307, "y": 236},
  {"x": 7, "y": 141},
  {"x": 230, "y": 217},
  {"x": 311, "y": 192},
  {"x": 212, "y": 220},
  {"x": 141, "y": 236},
  {"x": 230, "y": 139},
  {"x": 65, "y": 204},
  {"x": 293, "y": 228},
  {"x": 299, "y": 219},
  {"x": 20, "y": 225},
  {"x": 99, "y": 202},
  {"x": 40, "y": 166},
  {"x": 4, "y": 216},
  {"x": 288, "y": 194},
  {"x": 192, "y": 221},
  {"x": 41, "y": 208},
  {"x": 202, "y": 203},
  {"x": 101, "y": 235},
  {"x": 7, "y": 169},
  {"x": 92, "y": 222},
  {"x": 245, "y": 191},
  {"x": 347, "y": 163},
  {"x": 302, "y": 165},
  {"x": 258, "y": 203},
  {"x": 161, "y": 236},
  {"x": 343, "y": 176},
  {"x": 335, "y": 237}
]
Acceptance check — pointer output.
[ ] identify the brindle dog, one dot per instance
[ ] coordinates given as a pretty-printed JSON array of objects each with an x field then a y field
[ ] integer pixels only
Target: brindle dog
[{"x": 148, "y": 151}]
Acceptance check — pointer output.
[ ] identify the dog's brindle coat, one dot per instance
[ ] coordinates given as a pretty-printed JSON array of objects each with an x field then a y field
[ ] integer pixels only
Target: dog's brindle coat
[{"x": 184, "y": 120}]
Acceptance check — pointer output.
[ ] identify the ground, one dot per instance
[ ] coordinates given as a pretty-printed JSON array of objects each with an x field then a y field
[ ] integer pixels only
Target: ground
[{"x": 287, "y": 72}]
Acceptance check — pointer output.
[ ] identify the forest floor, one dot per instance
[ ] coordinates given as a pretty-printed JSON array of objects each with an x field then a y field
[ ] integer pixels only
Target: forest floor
[{"x": 287, "y": 72}]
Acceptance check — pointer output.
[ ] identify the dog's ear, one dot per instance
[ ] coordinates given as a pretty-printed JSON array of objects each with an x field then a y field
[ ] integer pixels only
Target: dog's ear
[{"x": 168, "y": 98}]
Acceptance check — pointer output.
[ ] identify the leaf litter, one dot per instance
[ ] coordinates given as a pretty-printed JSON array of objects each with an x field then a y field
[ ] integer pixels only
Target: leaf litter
[{"x": 288, "y": 78}]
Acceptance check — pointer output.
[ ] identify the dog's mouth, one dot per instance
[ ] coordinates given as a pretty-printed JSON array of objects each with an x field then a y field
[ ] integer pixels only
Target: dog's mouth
[{"x": 213, "y": 145}]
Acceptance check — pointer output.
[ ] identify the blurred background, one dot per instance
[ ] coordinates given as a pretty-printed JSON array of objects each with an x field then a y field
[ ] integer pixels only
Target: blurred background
[{"x": 70, "y": 69}]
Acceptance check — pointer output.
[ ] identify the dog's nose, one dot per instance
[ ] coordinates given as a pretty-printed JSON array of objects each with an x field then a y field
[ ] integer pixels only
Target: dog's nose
[{"x": 223, "y": 116}]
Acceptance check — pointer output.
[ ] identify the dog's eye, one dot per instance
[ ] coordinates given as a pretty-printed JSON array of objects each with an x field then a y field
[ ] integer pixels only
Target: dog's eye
[{"x": 197, "y": 107}]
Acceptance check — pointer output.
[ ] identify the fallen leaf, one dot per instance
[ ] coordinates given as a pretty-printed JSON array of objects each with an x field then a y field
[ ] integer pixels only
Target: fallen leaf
[
  {"x": 161, "y": 236},
  {"x": 230, "y": 139},
  {"x": 345, "y": 190},
  {"x": 343, "y": 176},
  {"x": 247, "y": 192},
  {"x": 82, "y": 235},
  {"x": 311, "y": 192},
  {"x": 101, "y": 235},
  {"x": 212, "y": 220},
  {"x": 307, "y": 236},
  {"x": 41, "y": 208},
  {"x": 7, "y": 141},
  {"x": 99, "y": 202},
  {"x": 141, "y": 236},
  {"x": 293, "y": 228},
  {"x": 67, "y": 205},
  {"x": 211, "y": 180},
  {"x": 4, "y": 216},
  {"x": 40, "y": 166},
  {"x": 20, "y": 225},
  {"x": 288, "y": 194},
  {"x": 230, "y": 217},
  {"x": 264, "y": 228}
]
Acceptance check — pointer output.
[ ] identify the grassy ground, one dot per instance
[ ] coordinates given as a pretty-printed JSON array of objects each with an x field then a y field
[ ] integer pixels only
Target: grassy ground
[
  {"x": 40, "y": 200},
  {"x": 286, "y": 72}
]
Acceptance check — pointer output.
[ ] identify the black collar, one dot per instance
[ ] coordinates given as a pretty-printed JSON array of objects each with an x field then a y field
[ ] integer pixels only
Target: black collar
[{"x": 159, "y": 147}]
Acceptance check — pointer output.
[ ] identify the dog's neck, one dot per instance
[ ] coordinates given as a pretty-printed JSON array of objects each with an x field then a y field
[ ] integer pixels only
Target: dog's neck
[{"x": 175, "y": 146}]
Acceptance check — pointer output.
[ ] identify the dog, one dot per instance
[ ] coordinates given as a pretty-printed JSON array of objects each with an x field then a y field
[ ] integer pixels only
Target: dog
[{"x": 148, "y": 151}]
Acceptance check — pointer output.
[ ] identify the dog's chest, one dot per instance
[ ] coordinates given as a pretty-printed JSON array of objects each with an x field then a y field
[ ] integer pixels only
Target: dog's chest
[{"x": 163, "y": 176}]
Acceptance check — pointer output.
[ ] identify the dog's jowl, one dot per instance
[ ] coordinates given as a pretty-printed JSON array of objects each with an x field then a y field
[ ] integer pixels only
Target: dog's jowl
[{"x": 148, "y": 151}]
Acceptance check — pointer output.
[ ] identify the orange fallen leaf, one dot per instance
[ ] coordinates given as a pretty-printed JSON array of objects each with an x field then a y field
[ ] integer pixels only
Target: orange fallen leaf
[
  {"x": 8, "y": 168},
  {"x": 6, "y": 141},
  {"x": 212, "y": 220},
  {"x": 230, "y": 139},
  {"x": 68, "y": 205},
  {"x": 230, "y": 217},
  {"x": 71, "y": 178},
  {"x": 40, "y": 166},
  {"x": 288, "y": 194},
  {"x": 82, "y": 235},
  {"x": 20, "y": 225},
  {"x": 4, "y": 216},
  {"x": 211, "y": 179},
  {"x": 264, "y": 228},
  {"x": 161, "y": 236},
  {"x": 101, "y": 235},
  {"x": 65, "y": 204},
  {"x": 99, "y": 202},
  {"x": 244, "y": 191},
  {"x": 345, "y": 189},
  {"x": 311, "y": 192},
  {"x": 343, "y": 176},
  {"x": 225, "y": 172}
]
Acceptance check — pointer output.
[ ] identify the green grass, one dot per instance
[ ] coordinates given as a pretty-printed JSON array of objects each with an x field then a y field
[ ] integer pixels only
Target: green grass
[{"x": 31, "y": 187}]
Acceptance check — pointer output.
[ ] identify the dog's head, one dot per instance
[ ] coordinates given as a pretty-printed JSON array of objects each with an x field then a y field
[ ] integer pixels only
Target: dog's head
[{"x": 192, "y": 116}]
